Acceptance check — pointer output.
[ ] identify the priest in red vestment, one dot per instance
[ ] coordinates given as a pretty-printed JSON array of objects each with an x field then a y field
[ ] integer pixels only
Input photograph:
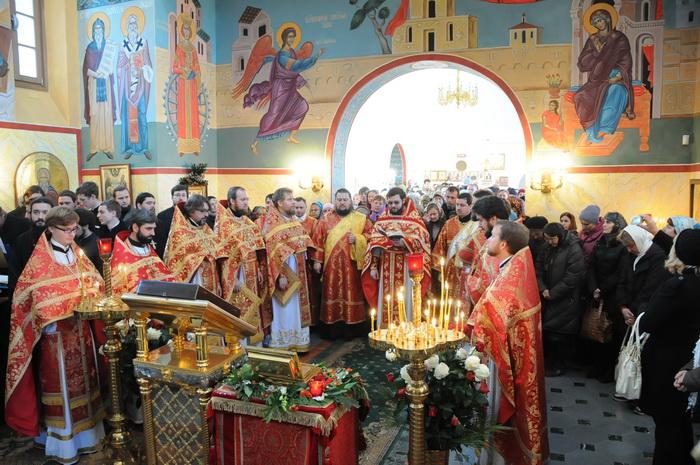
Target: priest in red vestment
[
  {"x": 242, "y": 278},
  {"x": 52, "y": 386},
  {"x": 341, "y": 243},
  {"x": 192, "y": 249},
  {"x": 453, "y": 237},
  {"x": 287, "y": 243},
  {"x": 508, "y": 323},
  {"x": 133, "y": 257},
  {"x": 398, "y": 232},
  {"x": 488, "y": 210}
]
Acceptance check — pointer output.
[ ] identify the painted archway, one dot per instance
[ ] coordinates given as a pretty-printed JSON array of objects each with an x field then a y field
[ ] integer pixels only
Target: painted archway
[{"x": 358, "y": 95}]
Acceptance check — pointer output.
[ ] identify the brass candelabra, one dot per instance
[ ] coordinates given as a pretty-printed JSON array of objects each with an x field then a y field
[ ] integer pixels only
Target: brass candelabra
[
  {"x": 111, "y": 310},
  {"x": 416, "y": 340}
]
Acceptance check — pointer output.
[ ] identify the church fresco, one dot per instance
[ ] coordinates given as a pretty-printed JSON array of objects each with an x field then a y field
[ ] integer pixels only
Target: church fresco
[
  {"x": 134, "y": 77},
  {"x": 285, "y": 107}
]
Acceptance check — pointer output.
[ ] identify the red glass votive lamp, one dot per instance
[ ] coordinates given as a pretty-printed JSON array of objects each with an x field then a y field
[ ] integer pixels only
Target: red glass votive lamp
[
  {"x": 105, "y": 246},
  {"x": 316, "y": 388},
  {"x": 415, "y": 263}
]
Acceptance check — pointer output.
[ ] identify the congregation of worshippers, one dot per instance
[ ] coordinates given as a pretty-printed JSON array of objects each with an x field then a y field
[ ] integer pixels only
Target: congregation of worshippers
[{"x": 327, "y": 269}]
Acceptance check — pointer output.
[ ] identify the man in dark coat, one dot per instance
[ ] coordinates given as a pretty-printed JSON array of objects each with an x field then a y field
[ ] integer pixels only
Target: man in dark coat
[
  {"x": 26, "y": 241},
  {"x": 11, "y": 227},
  {"x": 560, "y": 272},
  {"x": 179, "y": 193},
  {"x": 32, "y": 192},
  {"x": 673, "y": 322}
]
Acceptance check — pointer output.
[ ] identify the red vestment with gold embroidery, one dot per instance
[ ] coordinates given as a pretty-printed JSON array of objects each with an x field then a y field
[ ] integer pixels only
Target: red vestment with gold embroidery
[
  {"x": 48, "y": 292},
  {"x": 129, "y": 268},
  {"x": 285, "y": 238},
  {"x": 392, "y": 266},
  {"x": 342, "y": 297},
  {"x": 191, "y": 248},
  {"x": 508, "y": 322},
  {"x": 241, "y": 242}
]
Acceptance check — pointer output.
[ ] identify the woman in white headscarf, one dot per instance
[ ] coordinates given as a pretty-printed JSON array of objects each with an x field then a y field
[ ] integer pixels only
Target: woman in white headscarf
[
  {"x": 647, "y": 273},
  {"x": 642, "y": 279}
]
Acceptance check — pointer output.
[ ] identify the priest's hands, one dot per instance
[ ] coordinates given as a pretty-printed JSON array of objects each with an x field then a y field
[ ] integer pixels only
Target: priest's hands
[
  {"x": 374, "y": 273},
  {"x": 317, "y": 267},
  {"x": 282, "y": 283}
]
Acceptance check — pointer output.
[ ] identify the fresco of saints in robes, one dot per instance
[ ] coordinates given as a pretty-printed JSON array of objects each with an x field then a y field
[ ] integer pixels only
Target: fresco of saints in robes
[
  {"x": 606, "y": 57},
  {"x": 287, "y": 108},
  {"x": 98, "y": 86},
  {"x": 186, "y": 68},
  {"x": 134, "y": 80}
]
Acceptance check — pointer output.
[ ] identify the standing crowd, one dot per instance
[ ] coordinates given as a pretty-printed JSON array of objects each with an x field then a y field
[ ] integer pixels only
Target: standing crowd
[{"x": 291, "y": 265}]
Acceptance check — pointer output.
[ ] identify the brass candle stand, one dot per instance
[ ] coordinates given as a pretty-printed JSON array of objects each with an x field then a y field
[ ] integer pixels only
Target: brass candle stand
[
  {"x": 416, "y": 341},
  {"x": 111, "y": 310}
]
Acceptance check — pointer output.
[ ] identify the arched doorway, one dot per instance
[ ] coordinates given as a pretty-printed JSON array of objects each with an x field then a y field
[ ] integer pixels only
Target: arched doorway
[{"x": 379, "y": 110}]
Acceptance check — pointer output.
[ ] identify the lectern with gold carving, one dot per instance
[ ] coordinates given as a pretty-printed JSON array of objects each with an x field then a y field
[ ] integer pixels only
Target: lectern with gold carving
[{"x": 176, "y": 381}]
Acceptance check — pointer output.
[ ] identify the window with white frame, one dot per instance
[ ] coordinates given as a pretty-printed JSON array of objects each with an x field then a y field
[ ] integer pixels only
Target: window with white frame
[{"x": 29, "y": 41}]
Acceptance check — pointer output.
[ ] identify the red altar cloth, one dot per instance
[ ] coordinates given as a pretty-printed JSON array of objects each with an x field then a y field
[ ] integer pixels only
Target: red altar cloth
[{"x": 241, "y": 439}]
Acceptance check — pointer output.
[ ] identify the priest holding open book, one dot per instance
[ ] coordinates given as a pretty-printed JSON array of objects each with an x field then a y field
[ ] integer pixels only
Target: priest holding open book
[
  {"x": 286, "y": 243},
  {"x": 398, "y": 232}
]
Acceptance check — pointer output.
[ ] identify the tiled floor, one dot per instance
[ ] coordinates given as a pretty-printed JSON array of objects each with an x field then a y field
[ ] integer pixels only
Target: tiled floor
[{"x": 586, "y": 427}]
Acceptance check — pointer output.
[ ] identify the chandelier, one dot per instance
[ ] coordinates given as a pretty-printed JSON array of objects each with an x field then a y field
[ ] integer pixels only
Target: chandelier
[{"x": 462, "y": 94}]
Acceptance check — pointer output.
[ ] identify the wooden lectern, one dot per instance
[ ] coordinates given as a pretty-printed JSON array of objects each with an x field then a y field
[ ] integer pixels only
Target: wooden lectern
[{"x": 176, "y": 381}]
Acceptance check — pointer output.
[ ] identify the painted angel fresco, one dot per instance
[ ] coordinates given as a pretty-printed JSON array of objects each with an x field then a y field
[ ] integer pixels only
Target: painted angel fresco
[{"x": 287, "y": 108}]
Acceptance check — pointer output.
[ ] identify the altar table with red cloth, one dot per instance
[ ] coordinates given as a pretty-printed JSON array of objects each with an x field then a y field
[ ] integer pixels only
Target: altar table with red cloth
[{"x": 327, "y": 435}]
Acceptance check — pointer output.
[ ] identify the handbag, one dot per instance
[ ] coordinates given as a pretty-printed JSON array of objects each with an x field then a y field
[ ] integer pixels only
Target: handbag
[
  {"x": 628, "y": 371},
  {"x": 595, "y": 325}
]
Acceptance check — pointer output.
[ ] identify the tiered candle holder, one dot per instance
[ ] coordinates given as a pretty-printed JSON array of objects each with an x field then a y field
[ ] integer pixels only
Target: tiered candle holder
[
  {"x": 111, "y": 310},
  {"x": 415, "y": 341}
]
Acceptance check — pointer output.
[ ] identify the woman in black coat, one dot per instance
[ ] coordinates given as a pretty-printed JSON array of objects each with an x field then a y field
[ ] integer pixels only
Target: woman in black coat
[
  {"x": 609, "y": 261},
  {"x": 644, "y": 277},
  {"x": 673, "y": 323},
  {"x": 560, "y": 271}
]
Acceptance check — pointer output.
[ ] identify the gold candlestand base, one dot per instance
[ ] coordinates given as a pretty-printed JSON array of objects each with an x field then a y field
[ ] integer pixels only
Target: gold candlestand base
[{"x": 417, "y": 390}]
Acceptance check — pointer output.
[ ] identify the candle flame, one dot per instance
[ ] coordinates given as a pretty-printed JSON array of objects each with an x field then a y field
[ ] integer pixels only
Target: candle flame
[{"x": 373, "y": 312}]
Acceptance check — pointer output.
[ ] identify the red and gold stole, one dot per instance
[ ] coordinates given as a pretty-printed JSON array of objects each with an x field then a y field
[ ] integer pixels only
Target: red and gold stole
[
  {"x": 309, "y": 224},
  {"x": 128, "y": 268},
  {"x": 453, "y": 230},
  {"x": 46, "y": 292},
  {"x": 190, "y": 247},
  {"x": 240, "y": 239},
  {"x": 508, "y": 322},
  {"x": 393, "y": 262},
  {"x": 285, "y": 238},
  {"x": 484, "y": 270},
  {"x": 342, "y": 263}
]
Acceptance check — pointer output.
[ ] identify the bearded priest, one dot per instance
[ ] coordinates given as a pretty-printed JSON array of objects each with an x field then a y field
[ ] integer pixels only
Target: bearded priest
[
  {"x": 508, "y": 323},
  {"x": 134, "y": 259},
  {"x": 52, "y": 386},
  {"x": 398, "y": 232},
  {"x": 192, "y": 250},
  {"x": 287, "y": 244},
  {"x": 341, "y": 242}
]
